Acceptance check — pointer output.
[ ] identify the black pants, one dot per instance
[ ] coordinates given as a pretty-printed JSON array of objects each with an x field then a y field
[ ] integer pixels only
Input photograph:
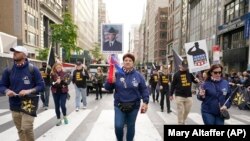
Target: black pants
[
  {"x": 163, "y": 94},
  {"x": 153, "y": 90},
  {"x": 98, "y": 88}
]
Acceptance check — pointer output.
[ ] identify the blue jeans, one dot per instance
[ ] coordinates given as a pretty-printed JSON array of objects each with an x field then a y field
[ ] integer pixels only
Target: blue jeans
[
  {"x": 45, "y": 96},
  {"x": 60, "y": 102},
  {"x": 81, "y": 93},
  {"x": 122, "y": 118},
  {"x": 210, "y": 119}
]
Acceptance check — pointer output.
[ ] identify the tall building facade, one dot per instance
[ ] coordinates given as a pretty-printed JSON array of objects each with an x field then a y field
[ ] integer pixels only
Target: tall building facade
[
  {"x": 84, "y": 14},
  {"x": 161, "y": 36},
  {"x": 151, "y": 12},
  {"x": 101, "y": 17},
  {"x": 204, "y": 17},
  {"x": 232, "y": 34},
  {"x": 50, "y": 13},
  {"x": 21, "y": 18}
]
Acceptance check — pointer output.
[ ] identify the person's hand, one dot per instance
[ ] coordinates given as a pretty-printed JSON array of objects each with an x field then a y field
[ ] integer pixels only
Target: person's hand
[
  {"x": 171, "y": 98},
  {"x": 24, "y": 92},
  {"x": 197, "y": 80},
  {"x": 144, "y": 108},
  {"x": 58, "y": 81},
  {"x": 202, "y": 92},
  {"x": 222, "y": 108},
  {"x": 10, "y": 93},
  {"x": 84, "y": 66}
]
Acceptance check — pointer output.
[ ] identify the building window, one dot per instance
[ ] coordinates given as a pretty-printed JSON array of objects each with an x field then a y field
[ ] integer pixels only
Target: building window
[
  {"x": 31, "y": 39},
  {"x": 26, "y": 36},
  {"x": 163, "y": 35},
  {"x": 235, "y": 10},
  {"x": 31, "y": 20},
  {"x": 25, "y": 17},
  {"x": 163, "y": 53},
  {"x": 163, "y": 25}
]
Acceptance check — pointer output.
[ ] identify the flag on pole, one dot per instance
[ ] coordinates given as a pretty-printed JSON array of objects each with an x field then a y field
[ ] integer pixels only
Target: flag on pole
[
  {"x": 51, "y": 57},
  {"x": 177, "y": 60}
]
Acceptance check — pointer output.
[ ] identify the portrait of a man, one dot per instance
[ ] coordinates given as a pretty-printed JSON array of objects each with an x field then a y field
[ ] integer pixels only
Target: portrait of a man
[{"x": 110, "y": 40}]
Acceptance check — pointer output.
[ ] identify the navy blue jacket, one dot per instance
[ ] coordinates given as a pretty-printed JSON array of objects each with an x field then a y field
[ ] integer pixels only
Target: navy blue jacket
[
  {"x": 134, "y": 90},
  {"x": 20, "y": 79},
  {"x": 214, "y": 96}
]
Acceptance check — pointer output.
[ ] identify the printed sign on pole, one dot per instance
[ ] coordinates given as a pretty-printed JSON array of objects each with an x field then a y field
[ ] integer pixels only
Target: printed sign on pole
[{"x": 197, "y": 56}]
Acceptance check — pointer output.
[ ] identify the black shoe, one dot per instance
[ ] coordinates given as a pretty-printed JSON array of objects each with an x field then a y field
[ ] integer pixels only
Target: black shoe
[
  {"x": 161, "y": 110},
  {"x": 96, "y": 98},
  {"x": 157, "y": 100},
  {"x": 169, "y": 111},
  {"x": 100, "y": 97}
]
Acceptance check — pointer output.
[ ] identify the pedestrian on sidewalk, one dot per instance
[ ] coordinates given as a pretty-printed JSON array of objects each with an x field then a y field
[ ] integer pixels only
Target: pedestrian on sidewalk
[
  {"x": 80, "y": 76},
  {"x": 45, "y": 71},
  {"x": 60, "y": 91},
  {"x": 181, "y": 86},
  {"x": 164, "y": 80},
  {"x": 213, "y": 94},
  {"x": 22, "y": 81},
  {"x": 99, "y": 83},
  {"x": 130, "y": 87},
  {"x": 154, "y": 78}
]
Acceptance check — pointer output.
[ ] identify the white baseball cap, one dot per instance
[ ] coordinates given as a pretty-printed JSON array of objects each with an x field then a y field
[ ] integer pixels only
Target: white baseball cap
[{"x": 20, "y": 49}]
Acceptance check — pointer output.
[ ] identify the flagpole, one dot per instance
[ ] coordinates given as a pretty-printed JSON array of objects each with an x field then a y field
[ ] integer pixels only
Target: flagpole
[{"x": 47, "y": 63}]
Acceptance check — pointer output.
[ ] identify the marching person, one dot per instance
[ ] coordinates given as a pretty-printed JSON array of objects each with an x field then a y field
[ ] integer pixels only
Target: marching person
[
  {"x": 99, "y": 82},
  {"x": 181, "y": 86},
  {"x": 213, "y": 94},
  {"x": 164, "y": 80},
  {"x": 45, "y": 71},
  {"x": 22, "y": 80},
  {"x": 130, "y": 87},
  {"x": 60, "y": 90},
  {"x": 80, "y": 75}
]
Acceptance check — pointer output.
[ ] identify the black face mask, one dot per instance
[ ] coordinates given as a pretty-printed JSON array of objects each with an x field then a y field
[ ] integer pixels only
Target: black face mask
[{"x": 44, "y": 66}]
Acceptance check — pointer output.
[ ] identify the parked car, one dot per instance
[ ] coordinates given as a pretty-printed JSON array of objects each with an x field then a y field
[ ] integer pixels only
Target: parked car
[{"x": 92, "y": 69}]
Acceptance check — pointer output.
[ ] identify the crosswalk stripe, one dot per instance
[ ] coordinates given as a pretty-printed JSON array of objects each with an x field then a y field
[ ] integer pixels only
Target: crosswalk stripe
[
  {"x": 232, "y": 121},
  {"x": 243, "y": 117},
  {"x": 5, "y": 118},
  {"x": 150, "y": 134},
  {"x": 59, "y": 133},
  {"x": 3, "y": 110},
  {"x": 11, "y": 134},
  {"x": 196, "y": 117},
  {"x": 170, "y": 118},
  {"x": 104, "y": 128}
]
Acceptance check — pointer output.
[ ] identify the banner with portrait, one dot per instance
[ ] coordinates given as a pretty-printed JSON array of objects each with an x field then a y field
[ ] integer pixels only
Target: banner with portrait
[{"x": 112, "y": 38}]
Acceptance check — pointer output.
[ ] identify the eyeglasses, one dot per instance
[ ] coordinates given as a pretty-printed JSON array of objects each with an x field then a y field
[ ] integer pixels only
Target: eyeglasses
[{"x": 217, "y": 72}]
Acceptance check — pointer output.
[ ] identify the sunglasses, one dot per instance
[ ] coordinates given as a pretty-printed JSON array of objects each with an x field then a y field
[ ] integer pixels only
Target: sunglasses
[{"x": 217, "y": 72}]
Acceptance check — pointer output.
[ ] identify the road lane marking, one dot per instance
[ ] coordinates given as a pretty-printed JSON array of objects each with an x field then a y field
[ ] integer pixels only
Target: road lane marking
[
  {"x": 61, "y": 133},
  {"x": 103, "y": 129},
  {"x": 11, "y": 133},
  {"x": 5, "y": 118},
  {"x": 3, "y": 110}
]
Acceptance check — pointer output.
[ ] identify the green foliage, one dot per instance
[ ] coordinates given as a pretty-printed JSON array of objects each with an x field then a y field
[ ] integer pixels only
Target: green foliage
[
  {"x": 42, "y": 54},
  {"x": 96, "y": 52},
  {"x": 65, "y": 35}
]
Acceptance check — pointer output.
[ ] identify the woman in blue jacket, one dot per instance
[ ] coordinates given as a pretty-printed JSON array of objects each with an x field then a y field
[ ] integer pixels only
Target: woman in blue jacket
[
  {"x": 213, "y": 94},
  {"x": 130, "y": 88}
]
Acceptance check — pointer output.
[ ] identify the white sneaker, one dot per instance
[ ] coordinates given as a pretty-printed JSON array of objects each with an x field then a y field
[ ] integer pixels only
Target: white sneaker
[
  {"x": 77, "y": 109},
  {"x": 84, "y": 107}
]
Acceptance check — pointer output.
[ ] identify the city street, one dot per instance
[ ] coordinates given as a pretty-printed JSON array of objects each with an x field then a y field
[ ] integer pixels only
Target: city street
[{"x": 96, "y": 123}]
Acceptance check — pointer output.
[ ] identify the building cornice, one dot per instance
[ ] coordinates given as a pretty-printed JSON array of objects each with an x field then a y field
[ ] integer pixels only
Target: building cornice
[{"x": 50, "y": 13}]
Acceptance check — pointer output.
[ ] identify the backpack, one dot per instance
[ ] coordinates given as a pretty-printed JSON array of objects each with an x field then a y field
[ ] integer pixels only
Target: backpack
[{"x": 31, "y": 70}]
